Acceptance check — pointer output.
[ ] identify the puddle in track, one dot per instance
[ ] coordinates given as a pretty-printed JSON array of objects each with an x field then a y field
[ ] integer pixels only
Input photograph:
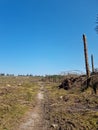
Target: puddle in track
[{"x": 34, "y": 118}]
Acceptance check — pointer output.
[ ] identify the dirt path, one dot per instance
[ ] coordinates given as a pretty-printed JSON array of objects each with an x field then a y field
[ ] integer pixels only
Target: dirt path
[{"x": 34, "y": 119}]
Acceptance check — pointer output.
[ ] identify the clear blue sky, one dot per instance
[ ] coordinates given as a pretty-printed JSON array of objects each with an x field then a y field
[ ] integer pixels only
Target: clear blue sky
[{"x": 45, "y": 36}]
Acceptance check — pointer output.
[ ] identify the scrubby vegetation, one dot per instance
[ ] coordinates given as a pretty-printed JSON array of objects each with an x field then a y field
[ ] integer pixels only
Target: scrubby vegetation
[
  {"x": 72, "y": 109},
  {"x": 17, "y": 96}
]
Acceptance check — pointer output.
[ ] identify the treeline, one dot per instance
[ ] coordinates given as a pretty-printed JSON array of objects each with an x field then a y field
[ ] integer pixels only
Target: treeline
[{"x": 3, "y": 74}]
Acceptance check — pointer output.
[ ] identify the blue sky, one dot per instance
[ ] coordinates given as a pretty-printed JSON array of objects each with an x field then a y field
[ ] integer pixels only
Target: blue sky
[{"x": 45, "y": 36}]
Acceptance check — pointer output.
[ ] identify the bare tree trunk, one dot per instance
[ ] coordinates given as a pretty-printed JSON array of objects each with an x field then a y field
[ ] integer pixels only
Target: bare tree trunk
[
  {"x": 86, "y": 58},
  {"x": 92, "y": 62}
]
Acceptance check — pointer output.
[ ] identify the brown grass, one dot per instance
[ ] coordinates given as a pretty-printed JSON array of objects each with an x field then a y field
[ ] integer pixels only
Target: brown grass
[
  {"x": 72, "y": 109},
  {"x": 17, "y": 95}
]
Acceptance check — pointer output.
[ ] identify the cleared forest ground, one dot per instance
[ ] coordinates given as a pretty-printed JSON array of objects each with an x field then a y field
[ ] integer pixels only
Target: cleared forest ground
[
  {"x": 28, "y": 103},
  {"x": 17, "y": 96},
  {"x": 72, "y": 109}
]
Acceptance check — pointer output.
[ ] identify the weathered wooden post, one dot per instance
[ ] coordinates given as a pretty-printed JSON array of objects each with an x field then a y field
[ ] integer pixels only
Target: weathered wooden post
[
  {"x": 86, "y": 58},
  {"x": 92, "y": 62}
]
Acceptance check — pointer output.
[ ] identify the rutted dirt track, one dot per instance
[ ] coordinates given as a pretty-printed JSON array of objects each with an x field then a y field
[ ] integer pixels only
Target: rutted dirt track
[{"x": 34, "y": 120}]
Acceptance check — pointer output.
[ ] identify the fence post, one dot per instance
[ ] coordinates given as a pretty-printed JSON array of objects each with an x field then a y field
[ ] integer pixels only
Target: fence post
[
  {"x": 92, "y": 62},
  {"x": 86, "y": 58}
]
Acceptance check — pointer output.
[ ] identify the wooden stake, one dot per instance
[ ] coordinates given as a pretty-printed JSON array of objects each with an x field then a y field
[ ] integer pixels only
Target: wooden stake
[
  {"x": 92, "y": 62},
  {"x": 86, "y": 57}
]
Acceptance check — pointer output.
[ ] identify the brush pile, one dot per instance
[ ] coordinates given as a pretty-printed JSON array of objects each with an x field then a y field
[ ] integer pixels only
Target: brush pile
[{"x": 73, "y": 81}]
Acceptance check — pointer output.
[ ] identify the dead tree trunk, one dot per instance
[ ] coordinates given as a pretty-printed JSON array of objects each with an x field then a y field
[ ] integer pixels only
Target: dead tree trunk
[
  {"x": 92, "y": 62},
  {"x": 86, "y": 59}
]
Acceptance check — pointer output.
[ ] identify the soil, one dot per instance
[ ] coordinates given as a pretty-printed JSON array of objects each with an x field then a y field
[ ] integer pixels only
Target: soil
[{"x": 34, "y": 119}]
